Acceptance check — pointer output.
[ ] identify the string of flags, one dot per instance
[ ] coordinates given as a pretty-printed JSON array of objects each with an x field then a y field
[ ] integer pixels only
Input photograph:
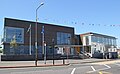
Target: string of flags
[{"x": 79, "y": 23}]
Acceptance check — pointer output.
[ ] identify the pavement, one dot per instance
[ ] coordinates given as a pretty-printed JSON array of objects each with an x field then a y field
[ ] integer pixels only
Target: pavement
[
  {"x": 22, "y": 64},
  {"x": 72, "y": 66}
]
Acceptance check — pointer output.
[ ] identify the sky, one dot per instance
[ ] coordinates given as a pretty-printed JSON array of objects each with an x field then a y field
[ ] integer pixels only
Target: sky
[{"x": 99, "y": 16}]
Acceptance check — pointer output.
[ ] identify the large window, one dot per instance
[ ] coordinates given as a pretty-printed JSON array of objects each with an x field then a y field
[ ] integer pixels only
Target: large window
[
  {"x": 93, "y": 39},
  {"x": 114, "y": 42},
  {"x": 100, "y": 39},
  {"x": 97, "y": 39},
  {"x": 103, "y": 40},
  {"x": 12, "y": 32},
  {"x": 63, "y": 38}
]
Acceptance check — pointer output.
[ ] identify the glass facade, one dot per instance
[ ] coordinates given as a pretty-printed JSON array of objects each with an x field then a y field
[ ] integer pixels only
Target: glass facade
[
  {"x": 63, "y": 38},
  {"x": 104, "y": 40},
  {"x": 12, "y": 32},
  {"x": 98, "y": 44}
]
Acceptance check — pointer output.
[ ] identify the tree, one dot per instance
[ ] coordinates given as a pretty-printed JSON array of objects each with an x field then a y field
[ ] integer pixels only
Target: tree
[
  {"x": 1, "y": 50},
  {"x": 13, "y": 44}
]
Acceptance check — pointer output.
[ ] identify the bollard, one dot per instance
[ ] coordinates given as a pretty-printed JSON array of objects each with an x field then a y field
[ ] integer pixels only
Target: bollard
[
  {"x": 63, "y": 61},
  {"x": 53, "y": 61}
]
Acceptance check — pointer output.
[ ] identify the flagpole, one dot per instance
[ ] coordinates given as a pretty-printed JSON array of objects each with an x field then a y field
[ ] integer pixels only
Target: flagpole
[
  {"x": 29, "y": 30},
  {"x": 30, "y": 41},
  {"x": 43, "y": 40}
]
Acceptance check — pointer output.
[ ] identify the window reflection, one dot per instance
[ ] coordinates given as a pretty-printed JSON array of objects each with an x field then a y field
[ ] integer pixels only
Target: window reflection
[
  {"x": 104, "y": 40},
  {"x": 10, "y": 32},
  {"x": 63, "y": 38}
]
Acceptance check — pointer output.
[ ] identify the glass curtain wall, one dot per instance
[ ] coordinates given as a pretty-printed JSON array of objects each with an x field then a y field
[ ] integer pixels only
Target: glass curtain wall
[
  {"x": 12, "y": 32},
  {"x": 63, "y": 38},
  {"x": 103, "y": 40}
]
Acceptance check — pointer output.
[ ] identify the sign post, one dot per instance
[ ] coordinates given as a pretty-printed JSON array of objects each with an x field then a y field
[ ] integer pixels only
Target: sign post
[{"x": 45, "y": 53}]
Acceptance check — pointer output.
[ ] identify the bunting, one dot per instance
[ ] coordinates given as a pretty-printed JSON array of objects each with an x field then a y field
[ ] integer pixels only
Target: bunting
[{"x": 79, "y": 23}]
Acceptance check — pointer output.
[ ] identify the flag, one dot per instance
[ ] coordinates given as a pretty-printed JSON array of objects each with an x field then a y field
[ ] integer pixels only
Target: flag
[
  {"x": 82, "y": 23},
  {"x": 42, "y": 29},
  {"x": 75, "y": 22},
  {"x": 14, "y": 36},
  {"x": 72, "y": 22},
  {"x": 29, "y": 28},
  {"x": 98, "y": 24}
]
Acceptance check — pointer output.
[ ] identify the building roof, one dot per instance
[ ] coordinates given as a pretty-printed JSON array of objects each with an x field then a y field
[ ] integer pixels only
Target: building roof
[
  {"x": 96, "y": 34},
  {"x": 39, "y": 22}
]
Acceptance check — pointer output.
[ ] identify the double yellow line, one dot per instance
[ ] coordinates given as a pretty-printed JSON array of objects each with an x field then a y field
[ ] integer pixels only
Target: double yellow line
[
  {"x": 104, "y": 72},
  {"x": 100, "y": 72}
]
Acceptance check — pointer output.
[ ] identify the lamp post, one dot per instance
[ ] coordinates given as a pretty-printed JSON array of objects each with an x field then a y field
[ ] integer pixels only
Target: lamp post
[{"x": 36, "y": 56}]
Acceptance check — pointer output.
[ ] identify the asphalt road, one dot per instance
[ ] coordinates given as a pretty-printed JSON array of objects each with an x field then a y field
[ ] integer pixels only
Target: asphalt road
[{"x": 113, "y": 68}]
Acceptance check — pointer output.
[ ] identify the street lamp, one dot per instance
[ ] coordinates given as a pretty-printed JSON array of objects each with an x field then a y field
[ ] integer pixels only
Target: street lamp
[{"x": 36, "y": 57}]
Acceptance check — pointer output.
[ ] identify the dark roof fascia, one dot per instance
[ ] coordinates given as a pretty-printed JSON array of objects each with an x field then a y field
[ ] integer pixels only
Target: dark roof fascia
[
  {"x": 98, "y": 34},
  {"x": 39, "y": 23}
]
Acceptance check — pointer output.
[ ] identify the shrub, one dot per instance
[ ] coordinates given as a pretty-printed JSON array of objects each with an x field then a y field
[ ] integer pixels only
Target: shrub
[
  {"x": 119, "y": 56},
  {"x": 1, "y": 51}
]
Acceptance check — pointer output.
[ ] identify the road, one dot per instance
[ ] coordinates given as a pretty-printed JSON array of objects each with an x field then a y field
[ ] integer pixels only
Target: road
[{"x": 89, "y": 68}]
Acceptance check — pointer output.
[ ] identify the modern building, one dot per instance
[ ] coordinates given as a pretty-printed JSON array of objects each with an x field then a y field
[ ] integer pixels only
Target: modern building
[
  {"x": 20, "y": 36},
  {"x": 18, "y": 31},
  {"x": 99, "y": 45}
]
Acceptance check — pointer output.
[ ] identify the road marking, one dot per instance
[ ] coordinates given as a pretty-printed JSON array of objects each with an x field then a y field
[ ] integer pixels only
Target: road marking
[
  {"x": 104, "y": 72},
  {"x": 93, "y": 68},
  {"x": 107, "y": 66},
  {"x": 73, "y": 71},
  {"x": 117, "y": 64},
  {"x": 100, "y": 73}
]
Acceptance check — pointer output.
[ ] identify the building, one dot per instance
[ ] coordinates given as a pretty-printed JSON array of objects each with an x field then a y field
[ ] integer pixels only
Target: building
[
  {"x": 19, "y": 41},
  {"x": 99, "y": 45},
  {"x": 18, "y": 31}
]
